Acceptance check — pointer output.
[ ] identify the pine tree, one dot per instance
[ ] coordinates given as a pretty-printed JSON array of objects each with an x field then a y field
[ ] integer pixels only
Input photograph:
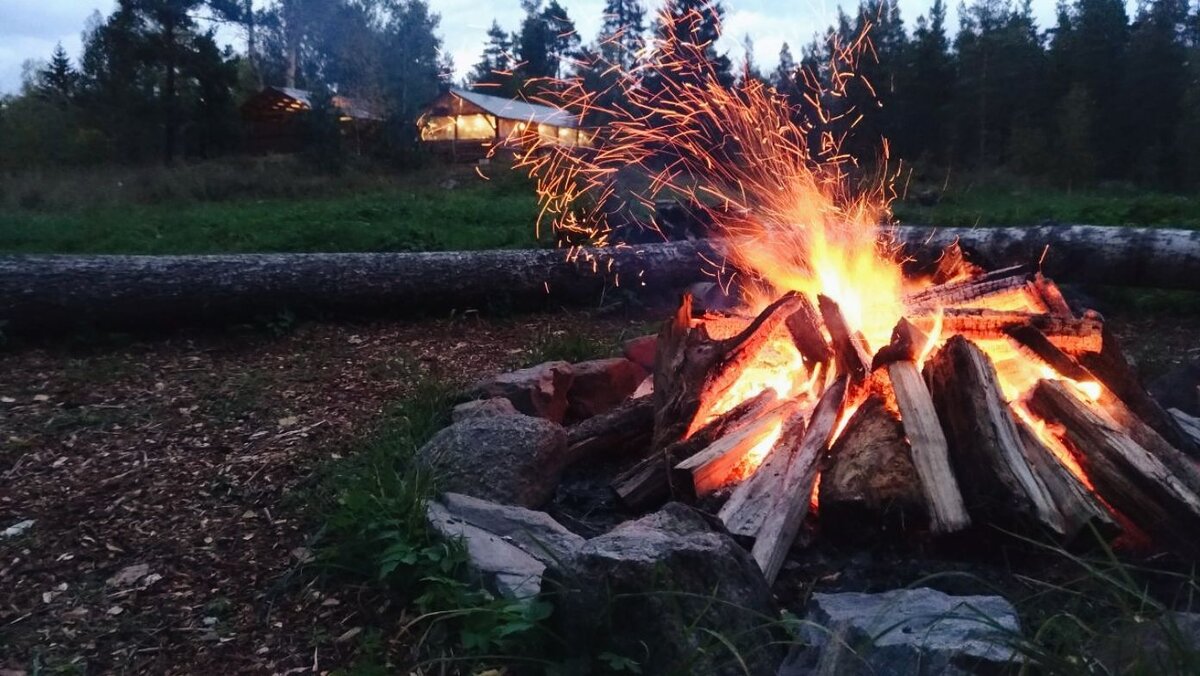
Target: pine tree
[
  {"x": 546, "y": 41},
  {"x": 697, "y": 22},
  {"x": 783, "y": 78},
  {"x": 750, "y": 71},
  {"x": 623, "y": 33},
  {"x": 494, "y": 72},
  {"x": 928, "y": 90},
  {"x": 58, "y": 79}
]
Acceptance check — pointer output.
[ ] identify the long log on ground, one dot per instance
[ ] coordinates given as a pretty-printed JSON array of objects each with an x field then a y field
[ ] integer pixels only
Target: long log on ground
[
  {"x": 1127, "y": 476},
  {"x": 997, "y": 482},
  {"x": 48, "y": 291}
]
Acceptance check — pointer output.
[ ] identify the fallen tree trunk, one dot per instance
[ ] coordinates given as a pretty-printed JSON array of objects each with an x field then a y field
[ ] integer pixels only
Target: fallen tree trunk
[{"x": 49, "y": 291}]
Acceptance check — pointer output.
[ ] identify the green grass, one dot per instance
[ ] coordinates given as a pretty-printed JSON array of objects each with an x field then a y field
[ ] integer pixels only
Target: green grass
[
  {"x": 1003, "y": 201},
  {"x": 443, "y": 208}
]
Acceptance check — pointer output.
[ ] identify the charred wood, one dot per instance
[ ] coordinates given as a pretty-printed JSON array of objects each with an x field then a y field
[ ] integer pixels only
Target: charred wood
[
  {"x": 748, "y": 505},
  {"x": 852, "y": 360},
  {"x": 1082, "y": 512},
  {"x": 626, "y": 428}
]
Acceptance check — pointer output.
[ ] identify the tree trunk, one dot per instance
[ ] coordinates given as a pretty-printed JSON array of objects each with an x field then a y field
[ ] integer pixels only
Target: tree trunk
[{"x": 53, "y": 291}]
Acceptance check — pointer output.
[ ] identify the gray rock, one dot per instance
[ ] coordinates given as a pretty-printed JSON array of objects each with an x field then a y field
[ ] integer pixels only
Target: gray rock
[
  {"x": 483, "y": 407},
  {"x": 641, "y": 350},
  {"x": 666, "y": 591},
  {"x": 509, "y": 547},
  {"x": 511, "y": 459},
  {"x": 601, "y": 385},
  {"x": 1168, "y": 644},
  {"x": 907, "y": 631},
  {"x": 539, "y": 391}
]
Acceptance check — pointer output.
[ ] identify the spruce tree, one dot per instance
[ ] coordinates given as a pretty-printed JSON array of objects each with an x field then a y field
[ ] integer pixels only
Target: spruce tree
[
  {"x": 494, "y": 72},
  {"x": 57, "y": 80},
  {"x": 697, "y": 22},
  {"x": 622, "y": 33}
]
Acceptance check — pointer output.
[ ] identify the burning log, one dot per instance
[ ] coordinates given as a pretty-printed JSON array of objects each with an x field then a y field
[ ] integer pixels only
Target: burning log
[
  {"x": 1118, "y": 375},
  {"x": 930, "y": 451},
  {"x": 868, "y": 481},
  {"x": 847, "y": 347},
  {"x": 648, "y": 482},
  {"x": 1030, "y": 338},
  {"x": 627, "y": 427},
  {"x": 907, "y": 343},
  {"x": 985, "y": 447},
  {"x": 805, "y": 329},
  {"x": 692, "y": 368},
  {"x": 1081, "y": 510},
  {"x": 1128, "y": 476},
  {"x": 747, "y": 508},
  {"x": 1072, "y": 335},
  {"x": 711, "y": 468},
  {"x": 969, "y": 290},
  {"x": 1052, "y": 297},
  {"x": 782, "y": 524}
]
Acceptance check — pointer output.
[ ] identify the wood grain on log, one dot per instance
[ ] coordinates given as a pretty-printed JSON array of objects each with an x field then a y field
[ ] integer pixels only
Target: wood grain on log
[
  {"x": 997, "y": 482},
  {"x": 967, "y": 291},
  {"x": 712, "y": 467},
  {"x": 791, "y": 505},
  {"x": 930, "y": 451},
  {"x": 747, "y": 507},
  {"x": 869, "y": 485},
  {"x": 1082, "y": 512},
  {"x": 648, "y": 482},
  {"x": 1075, "y": 336},
  {"x": 1127, "y": 476},
  {"x": 628, "y": 427},
  {"x": 805, "y": 328}
]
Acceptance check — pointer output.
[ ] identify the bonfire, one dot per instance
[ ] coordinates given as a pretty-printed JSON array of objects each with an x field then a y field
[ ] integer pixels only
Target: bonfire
[{"x": 841, "y": 385}]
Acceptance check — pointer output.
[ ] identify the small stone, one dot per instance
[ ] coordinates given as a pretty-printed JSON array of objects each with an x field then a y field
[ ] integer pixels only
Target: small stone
[
  {"x": 129, "y": 575},
  {"x": 114, "y": 611},
  {"x": 483, "y": 407},
  {"x": 17, "y": 528},
  {"x": 602, "y": 384},
  {"x": 641, "y": 351},
  {"x": 539, "y": 391},
  {"x": 209, "y": 621}
]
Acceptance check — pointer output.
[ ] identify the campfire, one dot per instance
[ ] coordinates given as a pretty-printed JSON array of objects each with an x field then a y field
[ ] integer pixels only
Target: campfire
[{"x": 842, "y": 387}]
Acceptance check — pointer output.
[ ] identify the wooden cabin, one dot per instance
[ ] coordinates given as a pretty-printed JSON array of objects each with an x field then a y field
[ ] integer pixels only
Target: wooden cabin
[
  {"x": 275, "y": 121},
  {"x": 466, "y": 125}
]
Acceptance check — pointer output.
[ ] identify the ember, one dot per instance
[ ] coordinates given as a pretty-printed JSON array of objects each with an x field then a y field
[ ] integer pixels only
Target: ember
[{"x": 957, "y": 399}]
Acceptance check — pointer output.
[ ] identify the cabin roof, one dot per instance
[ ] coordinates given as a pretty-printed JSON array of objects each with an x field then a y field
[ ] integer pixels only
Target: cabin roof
[
  {"x": 511, "y": 109},
  {"x": 283, "y": 98}
]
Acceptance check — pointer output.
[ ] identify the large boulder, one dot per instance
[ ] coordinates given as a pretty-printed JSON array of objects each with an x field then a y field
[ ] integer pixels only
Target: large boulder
[
  {"x": 539, "y": 391},
  {"x": 509, "y": 547},
  {"x": 673, "y": 593},
  {"x": 907, "y": 632},
  {"x": 602, "y": 384},
  {"x": 512, "y": 459}
]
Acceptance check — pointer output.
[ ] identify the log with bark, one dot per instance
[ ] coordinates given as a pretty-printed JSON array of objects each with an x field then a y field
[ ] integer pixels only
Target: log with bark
[
  {"x": 998, "y": 485},
  {"x": 628, "y": 428},
  {"x": 40, "y": 292},
  {"x": 1128, "y": 477},
  {"x": 869, "y": 486}
]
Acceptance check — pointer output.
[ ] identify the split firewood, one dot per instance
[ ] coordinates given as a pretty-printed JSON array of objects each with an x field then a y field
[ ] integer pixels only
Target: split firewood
[
  {"x": 1030, "y": 338},
  {"x": 1115, "y": 371},
  {"x": 848, "y": 348},
  {"x": 648, "y": 483},
  {"x": 1127, "y": 476},
  {"x": 805, "y": 329},
  {"x": 791, "y": 504},
  {"x": 1082, "y": 512},
  {"x": 626, "y": 428},
  {"x": 691, "y": 367},
  {"x": 930, "y": 451},
  {"x": 1189, "y": 423},
  {"x": 968, "y": 290},
  {"x": 869, "y": 485},
  {"x": 906, "y": 345},
  {"x": 747, "y": 507},
  {"x": 1075, "y": 336},
  {"x": 711, "y": 468},
  {"x": 1052, "y": 297},
  {"x": 997, "y": 482}
]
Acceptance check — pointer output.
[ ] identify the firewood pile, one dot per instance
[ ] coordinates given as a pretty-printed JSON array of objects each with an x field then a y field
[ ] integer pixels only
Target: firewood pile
[{"x": 993, "y": 407}]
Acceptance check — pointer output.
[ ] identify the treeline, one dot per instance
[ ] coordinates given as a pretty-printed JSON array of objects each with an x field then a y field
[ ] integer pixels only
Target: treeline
[
  {"x": 1102, "y": 95},
  {"x": 1099, "y": 96},
  {"x": 152, "y": 83}
]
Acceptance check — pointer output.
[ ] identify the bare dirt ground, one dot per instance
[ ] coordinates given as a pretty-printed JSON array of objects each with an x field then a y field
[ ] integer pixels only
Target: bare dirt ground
[
  {"x": 161, "y": 478},
  {"x": 158, "y": 475}
]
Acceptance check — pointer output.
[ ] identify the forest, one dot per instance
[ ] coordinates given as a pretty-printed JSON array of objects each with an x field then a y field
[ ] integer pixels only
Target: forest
[{"x": 1104, "y": 94}]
